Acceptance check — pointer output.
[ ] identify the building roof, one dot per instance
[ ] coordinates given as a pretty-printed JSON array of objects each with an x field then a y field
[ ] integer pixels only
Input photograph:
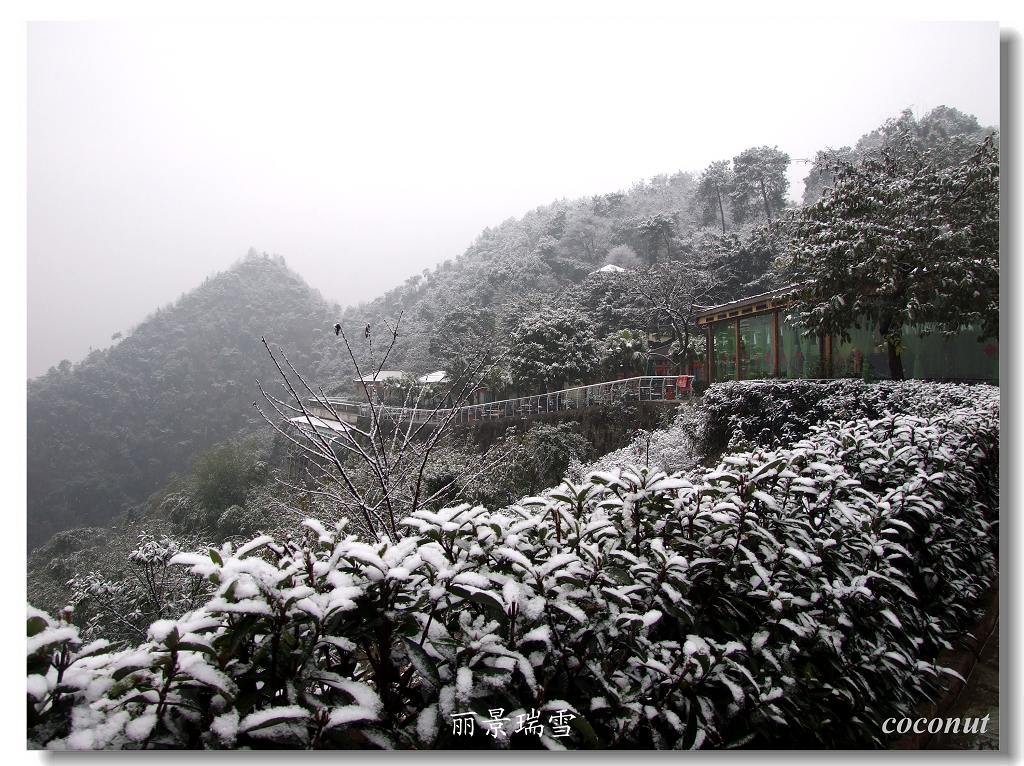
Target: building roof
[
  {"x": 332, "y": 425},
  {"x": 438, "y": 376},
  {"x": 609, "y": 268},
  {"x": 753, "y": 304},
  {"x": 381, "y": 376}
]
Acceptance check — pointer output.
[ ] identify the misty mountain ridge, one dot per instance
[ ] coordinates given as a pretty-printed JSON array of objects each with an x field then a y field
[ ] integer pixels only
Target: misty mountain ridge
[
  {"x": 105, "y": 433},
  {"x": 108, "y": 431}
]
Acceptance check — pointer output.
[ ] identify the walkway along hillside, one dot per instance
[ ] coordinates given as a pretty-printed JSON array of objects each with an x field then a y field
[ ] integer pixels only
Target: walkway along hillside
[{"x": 668, "y": 389}]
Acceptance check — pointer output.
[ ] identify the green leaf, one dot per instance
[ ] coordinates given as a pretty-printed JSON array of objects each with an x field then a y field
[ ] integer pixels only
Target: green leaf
[
  {"x": 274, "y": 720},
  {"x": 582, "y": 727},
  {"x": 489, "y": 602},
  {"x": 173, "y": 637},
  {"x": 35, "y": 625},
  {"x": 127, "y": 670},
  {"x": 423, "y": 663},
  {"x": 197, "y": 647}
]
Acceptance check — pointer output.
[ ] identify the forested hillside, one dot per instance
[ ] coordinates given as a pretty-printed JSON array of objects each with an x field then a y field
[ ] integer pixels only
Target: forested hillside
[
  {"x": 684, "y": 239},
  {"x": 947, "y": 133},
  {"x": 535, "y": 287},
  {"x": 108, "y": 431},
  {"x": 768, "y": 564}
]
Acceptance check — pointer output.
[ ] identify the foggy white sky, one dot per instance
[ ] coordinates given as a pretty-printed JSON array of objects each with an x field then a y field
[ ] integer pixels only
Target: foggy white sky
[{"x": 367, "y": 151}]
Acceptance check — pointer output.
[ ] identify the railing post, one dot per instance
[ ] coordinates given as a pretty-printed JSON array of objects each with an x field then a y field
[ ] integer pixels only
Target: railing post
[
  {"x": 739, "y": 355},
  {"x": 775, "y": 343}
]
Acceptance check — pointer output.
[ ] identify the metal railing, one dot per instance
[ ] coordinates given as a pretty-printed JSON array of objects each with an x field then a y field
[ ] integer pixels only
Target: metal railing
[{"x": 647, "y": 388}]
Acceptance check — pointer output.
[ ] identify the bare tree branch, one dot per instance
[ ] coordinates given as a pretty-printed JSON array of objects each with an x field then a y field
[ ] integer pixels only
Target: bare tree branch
[{"x": 383, "y": 475}]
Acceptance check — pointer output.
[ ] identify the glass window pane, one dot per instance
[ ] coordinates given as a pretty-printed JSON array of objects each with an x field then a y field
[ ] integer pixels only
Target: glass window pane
[
  {"x": 851, "y": 358},
  {"x": 933, "y": 356},
  {"x": 799, "y": 355},
  {"x": 949, "y": 357},
  {"x": 725, "y": 351},
  {"x": 756, "y": 347}
]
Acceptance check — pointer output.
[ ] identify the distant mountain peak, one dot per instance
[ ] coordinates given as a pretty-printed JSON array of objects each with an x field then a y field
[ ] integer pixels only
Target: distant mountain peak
[{"x": 106, "y": 432}]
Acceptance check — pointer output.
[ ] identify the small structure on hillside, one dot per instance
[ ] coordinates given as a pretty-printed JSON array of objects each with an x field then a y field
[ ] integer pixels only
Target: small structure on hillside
[
  {"x": 752, "y": 338},
  {"x": 608, "y": 268},
  {"x": 327, "y": 426},
  {"x": 373, "y": 386},
  {"x": 438, "y": 376}
]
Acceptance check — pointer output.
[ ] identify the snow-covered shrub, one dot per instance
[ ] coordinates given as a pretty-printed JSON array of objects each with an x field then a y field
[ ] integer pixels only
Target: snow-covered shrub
[
  {"x": 240, "y": 520},
  {"x": 772, "y": 413},
  {"x": 744, "y": 414},
  {"x": 670, "y": 449},
  {"x": 789, "y": 596},
  {"x": 186, "y": 512},
  {"x": 121, "y": 605}
]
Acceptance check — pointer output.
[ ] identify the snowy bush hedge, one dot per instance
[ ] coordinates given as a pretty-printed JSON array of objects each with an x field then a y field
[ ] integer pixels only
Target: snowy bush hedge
[
  {"x": 791, "y": 597},
  {"x": 743, "y": 414}
]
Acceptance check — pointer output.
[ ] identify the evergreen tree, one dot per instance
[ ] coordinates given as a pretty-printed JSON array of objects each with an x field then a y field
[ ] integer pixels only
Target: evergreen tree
[
  {"x": 712, "y": 188},
  {"x": 902, "y": 240},
  {"x": 553, "y": 348},
  {"x": 759, "y": 181}
]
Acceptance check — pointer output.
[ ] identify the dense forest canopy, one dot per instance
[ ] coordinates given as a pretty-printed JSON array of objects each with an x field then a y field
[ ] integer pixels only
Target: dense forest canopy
[{"x": 947, "y": 132}]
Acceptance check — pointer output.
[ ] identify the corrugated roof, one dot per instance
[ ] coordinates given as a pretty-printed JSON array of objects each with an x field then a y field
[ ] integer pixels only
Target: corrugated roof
[
  {"x": 381, "y": 376},
  {"x": 438, "y": 376}
]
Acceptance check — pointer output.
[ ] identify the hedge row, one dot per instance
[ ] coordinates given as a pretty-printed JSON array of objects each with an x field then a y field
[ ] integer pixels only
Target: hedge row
[
  {"x": 791, "y": 597},
  {"x": 766, "y": 413}
]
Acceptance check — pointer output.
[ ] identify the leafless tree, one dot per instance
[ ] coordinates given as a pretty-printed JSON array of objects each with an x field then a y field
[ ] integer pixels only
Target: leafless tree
[
  {"x": 124, "y": 601},
  {"x": 674, "y": 292},
  {"x": 376, "y": 469}
]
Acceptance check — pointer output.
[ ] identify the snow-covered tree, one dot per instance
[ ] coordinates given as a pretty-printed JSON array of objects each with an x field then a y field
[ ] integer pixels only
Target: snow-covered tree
[
  {"x": 901, "y": 240},
  {"x": 122, "y": 606},
  {"x": 553, "y": 348},
  {"x": 712, "y": 189},
  {"x": 461, "y": 336},
  {"x": 374, "y": 470},
  {"x": 759, "y": 181},
  {"x": 820, "y": 177},
  {"x": 950, "y": 134},
  {"x": 653, "y": 236},
  {"x": 673, "y": 293},
  {"x": 624, "y": 351},
  {"x": 624, "y": 256}
]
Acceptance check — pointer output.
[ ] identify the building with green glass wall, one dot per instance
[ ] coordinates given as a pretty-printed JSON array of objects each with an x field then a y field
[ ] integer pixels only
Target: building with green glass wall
[{"x": 750, "y": 339}]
